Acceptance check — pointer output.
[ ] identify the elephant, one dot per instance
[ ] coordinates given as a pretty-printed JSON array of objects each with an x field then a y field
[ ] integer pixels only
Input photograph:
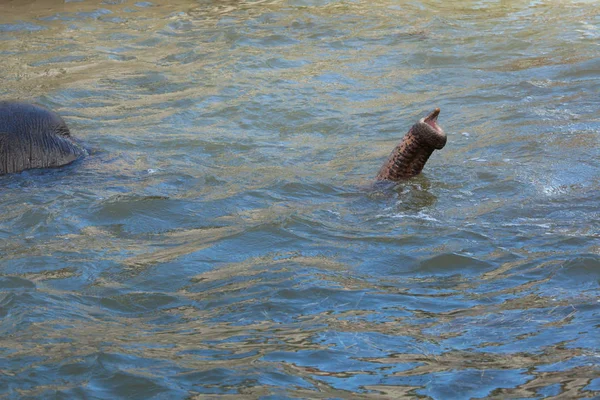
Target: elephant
[
  {"x": 32, "y": 136},
  {"x": 409, "y": 157}
]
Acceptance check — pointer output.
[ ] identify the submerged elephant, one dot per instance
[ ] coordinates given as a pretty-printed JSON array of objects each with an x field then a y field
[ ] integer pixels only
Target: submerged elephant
[
  {"x": 31, "y": 136},
  {"x": 409, "y": 157}
]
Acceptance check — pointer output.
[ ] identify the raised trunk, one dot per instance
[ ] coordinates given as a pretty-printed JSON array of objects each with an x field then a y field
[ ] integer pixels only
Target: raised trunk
[{"x": 409, "y": 157}]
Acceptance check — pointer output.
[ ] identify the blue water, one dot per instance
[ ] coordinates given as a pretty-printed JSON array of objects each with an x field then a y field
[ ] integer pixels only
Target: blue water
[{"x": 224, "y": 237}]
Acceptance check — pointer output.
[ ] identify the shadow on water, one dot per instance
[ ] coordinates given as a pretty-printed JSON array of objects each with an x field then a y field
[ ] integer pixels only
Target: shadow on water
[
  {"x": 226, "y": 237},
  {"x": 411, "y": 196}
]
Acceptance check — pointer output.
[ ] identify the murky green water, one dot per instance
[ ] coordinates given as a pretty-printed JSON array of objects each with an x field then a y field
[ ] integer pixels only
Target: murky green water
[{"x": 224, "y": 236}]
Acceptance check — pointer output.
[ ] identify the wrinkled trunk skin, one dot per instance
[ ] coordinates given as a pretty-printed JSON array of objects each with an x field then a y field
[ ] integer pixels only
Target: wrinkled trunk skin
[
  {"x": 410, "y": 156},
  {"x": 32, "y": 136},
  {"x": 407, "y": 159}
]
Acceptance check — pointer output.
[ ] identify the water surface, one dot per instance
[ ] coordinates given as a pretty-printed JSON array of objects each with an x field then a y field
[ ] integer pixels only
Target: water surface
[{"x": 224, "y": 236}]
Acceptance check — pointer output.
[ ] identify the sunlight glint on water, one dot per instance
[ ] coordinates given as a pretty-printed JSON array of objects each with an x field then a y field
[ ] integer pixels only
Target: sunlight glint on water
[{"x": 225, "y": 235}]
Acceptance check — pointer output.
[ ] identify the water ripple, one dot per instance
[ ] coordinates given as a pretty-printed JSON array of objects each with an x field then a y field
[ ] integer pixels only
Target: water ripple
[{"x": 225, "y": 235}]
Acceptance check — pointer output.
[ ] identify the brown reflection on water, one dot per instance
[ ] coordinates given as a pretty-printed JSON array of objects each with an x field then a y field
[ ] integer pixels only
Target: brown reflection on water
[
  {"x": 245, "y": 343},
  {"x": 140, "y": 337},
  {"x": 133, "y": 79},
  {"x": 45, "y": 56}
]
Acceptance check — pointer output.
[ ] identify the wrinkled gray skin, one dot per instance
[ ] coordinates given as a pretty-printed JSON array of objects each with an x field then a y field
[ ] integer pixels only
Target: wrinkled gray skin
[
  {"x": 32, "y": 136},
  {"x": 409, "y": 157}
]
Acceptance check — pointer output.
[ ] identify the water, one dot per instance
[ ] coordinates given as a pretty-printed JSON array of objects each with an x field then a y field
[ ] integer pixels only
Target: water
[{"x": 224, "y": 235}]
